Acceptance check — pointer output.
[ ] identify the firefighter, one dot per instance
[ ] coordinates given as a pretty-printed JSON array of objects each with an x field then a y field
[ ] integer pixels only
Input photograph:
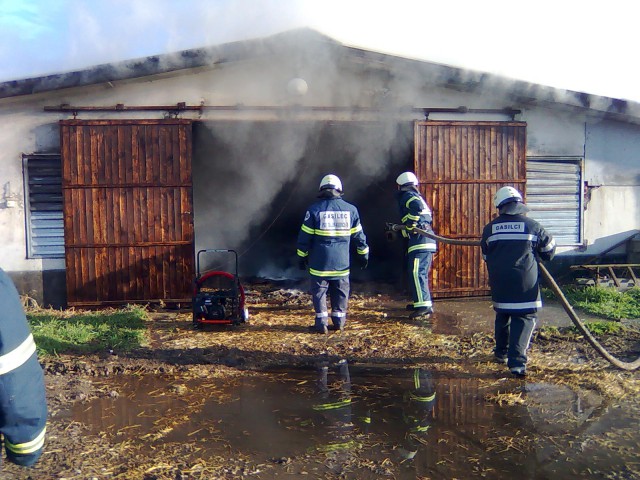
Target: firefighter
[
  {"x": 323, "y": 248},
  {"x": 415, "y": 212},
  {"x": 23, "y": 407},
  {"x": 511, "y": 244}
]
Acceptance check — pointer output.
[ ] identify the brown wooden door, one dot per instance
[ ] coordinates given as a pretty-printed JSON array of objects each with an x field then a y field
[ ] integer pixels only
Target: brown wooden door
[
  {"x": 460, "y": 165},
  {"x": 127, "y": 211}
]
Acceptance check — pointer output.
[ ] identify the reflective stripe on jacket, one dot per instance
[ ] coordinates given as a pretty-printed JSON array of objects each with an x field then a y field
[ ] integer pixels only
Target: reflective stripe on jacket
[
  {"x": 325, "y": 236},
  {"x": 510, "y": 245},
  {"x": 414, "y": 212},
  {"x": 23, "y": 407}
]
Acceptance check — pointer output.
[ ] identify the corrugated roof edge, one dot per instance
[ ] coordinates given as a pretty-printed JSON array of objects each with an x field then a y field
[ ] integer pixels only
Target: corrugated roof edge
[
  {"x": 158, "y": 64},
  {"x": 521, "y": 92}
]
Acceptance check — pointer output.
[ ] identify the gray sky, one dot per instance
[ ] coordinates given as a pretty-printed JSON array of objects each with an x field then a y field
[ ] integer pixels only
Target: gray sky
[{"x": 586, "y": 45}]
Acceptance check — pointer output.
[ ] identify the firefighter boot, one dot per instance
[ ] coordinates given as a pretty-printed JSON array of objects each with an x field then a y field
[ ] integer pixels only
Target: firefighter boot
[{"x": 421, "y": 313}]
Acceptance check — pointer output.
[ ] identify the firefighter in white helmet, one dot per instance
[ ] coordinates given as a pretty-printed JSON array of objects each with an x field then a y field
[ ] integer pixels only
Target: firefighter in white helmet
[
  {"x": 324, "y": 240},
  {"x": 511, "y": 244},
  {"x": 415, "y": 212}
]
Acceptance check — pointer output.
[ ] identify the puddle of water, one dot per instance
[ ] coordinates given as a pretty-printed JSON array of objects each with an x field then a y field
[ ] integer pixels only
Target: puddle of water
[
  {"x": 414, "y": 424},
  {"x": 460, "y": 316}
]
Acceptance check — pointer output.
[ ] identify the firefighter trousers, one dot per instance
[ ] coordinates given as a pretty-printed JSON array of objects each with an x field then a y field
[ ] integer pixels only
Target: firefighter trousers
[
  {"x": 338, "y": 289},
  {"x": 512, "y": 334},
  {"x": 419, "y": 264}
]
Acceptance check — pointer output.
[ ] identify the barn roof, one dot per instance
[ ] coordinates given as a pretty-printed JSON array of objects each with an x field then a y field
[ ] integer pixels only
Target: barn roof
[{"x": 520, "y": 92}]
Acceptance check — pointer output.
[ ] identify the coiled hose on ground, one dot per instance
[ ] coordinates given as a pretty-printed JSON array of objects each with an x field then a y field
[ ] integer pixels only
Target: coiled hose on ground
[{"x": 556, "y": 289}]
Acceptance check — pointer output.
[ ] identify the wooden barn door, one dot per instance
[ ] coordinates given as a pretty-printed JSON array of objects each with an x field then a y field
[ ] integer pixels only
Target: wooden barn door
[
  {"x": 127, "y": 211},
  {"x": 460, "y": 165}
]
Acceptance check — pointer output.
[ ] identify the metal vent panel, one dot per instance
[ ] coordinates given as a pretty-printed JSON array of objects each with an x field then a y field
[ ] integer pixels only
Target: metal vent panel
[
  {"x": 43, "y": 202},
  {"x": 554, "y": 195}
]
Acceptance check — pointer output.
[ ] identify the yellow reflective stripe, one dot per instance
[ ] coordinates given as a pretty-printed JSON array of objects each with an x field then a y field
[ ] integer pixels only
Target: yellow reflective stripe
[
  {"x": 422, "y": 304},
  {"x": 301, "y": 253},
  {"x": 422, "y": 399},
  {"x": 332, "y": 406},
  {"x": 416, "y": 279},
  {"x": 356, "y": 229},
  {"x": 420, "y": 429},
  {"x": 408, "y": 216},
  {"x": 416, "y": 378},
  {"x": 19, "y": 355},
  {"x": 329, "y": 273},
  {"x": 328, "y": 233},
  {"x": 335, "y": 446},
  {"x": 410, "y": 200},
  {"x": 422, "y": 246},
  {"x": 27, "y": 447},
  {"x": 332, "y": 233},
  {"x": 363, "y": 251}
]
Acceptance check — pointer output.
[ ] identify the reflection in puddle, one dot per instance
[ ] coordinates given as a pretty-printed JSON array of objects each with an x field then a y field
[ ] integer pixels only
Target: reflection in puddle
[{"x": 406, "y": 422}]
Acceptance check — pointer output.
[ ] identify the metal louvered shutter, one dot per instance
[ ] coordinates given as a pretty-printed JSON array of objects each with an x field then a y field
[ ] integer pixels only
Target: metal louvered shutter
[
  {"x": 43, "y": 198},
  {"x": 554, "y": 195}
]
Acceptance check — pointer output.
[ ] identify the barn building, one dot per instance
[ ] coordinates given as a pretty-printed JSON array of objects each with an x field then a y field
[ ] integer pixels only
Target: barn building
[{"x": 113, "y": 176}]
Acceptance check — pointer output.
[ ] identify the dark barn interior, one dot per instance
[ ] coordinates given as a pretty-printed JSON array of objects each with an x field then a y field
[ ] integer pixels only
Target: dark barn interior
[{"x": 252, "y": 183}]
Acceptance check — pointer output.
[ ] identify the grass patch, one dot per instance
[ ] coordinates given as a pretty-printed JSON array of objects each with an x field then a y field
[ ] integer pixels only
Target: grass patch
[
  {"x": 596, "y": 329},
  {"x": 604, "y": 301},
  {"x": 57, "y": 332},
  {"x": 601, "y": 328}
]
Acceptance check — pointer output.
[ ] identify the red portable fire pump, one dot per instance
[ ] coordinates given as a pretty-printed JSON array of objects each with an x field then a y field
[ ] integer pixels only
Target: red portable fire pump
[{"x": 218, "y": 296}]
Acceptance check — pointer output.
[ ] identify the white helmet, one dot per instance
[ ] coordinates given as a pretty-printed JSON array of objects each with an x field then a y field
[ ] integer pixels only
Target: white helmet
[
  {"x": 407, "y": 177},
  {"x": 506, "y": 195},
  {"x": 331, "y": 181}
]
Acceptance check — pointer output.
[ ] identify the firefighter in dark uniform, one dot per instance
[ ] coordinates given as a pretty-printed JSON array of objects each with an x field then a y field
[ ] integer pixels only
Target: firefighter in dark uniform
[
  {"x": 23, "y": 407},
  {"x": 323, "y": 247},
  {"x": 511, "y": 244},
  {"x": 415, "y": 212}
]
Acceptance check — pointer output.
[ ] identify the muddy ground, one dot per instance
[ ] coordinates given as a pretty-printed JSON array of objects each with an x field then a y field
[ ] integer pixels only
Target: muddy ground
[{"x": 455, "y": 342}]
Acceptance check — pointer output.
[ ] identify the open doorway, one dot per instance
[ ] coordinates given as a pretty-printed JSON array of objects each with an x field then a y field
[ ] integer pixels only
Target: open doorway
[{"x": 254, "y": 180}]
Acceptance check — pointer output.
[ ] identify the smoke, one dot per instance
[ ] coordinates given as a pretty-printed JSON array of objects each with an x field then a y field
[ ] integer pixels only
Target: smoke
[
  {"x": 152, "y": 27},
  {"x": 253, "y": 181},
  {"x": 65, "y": 35},
  {"x": 239, "y": 168},
  {"x": 255, "y": 176}
]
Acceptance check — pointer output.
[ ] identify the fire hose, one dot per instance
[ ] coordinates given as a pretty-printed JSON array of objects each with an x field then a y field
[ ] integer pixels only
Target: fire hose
[{"x": 554, "y": 286}]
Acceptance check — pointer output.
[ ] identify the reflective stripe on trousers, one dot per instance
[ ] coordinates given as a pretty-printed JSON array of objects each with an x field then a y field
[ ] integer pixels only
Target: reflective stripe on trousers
[
  {"x": 338, "y": 290},
  {"x": 419, "y": 265}
]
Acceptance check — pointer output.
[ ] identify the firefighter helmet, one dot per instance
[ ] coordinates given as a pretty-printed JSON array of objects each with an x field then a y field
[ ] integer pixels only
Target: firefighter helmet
[
  {"x": 506, "y": 195},
  {"x": 331, "y": 181},
  {"x": 407, "y": 178}
]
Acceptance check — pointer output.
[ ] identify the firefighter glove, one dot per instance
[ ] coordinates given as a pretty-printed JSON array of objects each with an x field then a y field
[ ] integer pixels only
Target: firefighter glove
[
  {"x": 302, "y": 263},
  {"x": 364, "y": 262}
]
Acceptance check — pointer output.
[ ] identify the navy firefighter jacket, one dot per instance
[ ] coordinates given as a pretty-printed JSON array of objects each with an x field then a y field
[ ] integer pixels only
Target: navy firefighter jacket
[
  {"x": 23, "y": 407},
  {"x": 510, "y": 245},
  {"x": 415, "y": 212},
  {"x": 325, "y": 237}
]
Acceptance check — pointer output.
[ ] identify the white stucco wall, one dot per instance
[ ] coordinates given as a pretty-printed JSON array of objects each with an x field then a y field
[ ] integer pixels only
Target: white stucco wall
[
  {"x": 612, "y": 176},
  {"x": 25, "y": 130},
  {"x": 610, "y": 215},
  {"x": 611, "y": 149}
]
